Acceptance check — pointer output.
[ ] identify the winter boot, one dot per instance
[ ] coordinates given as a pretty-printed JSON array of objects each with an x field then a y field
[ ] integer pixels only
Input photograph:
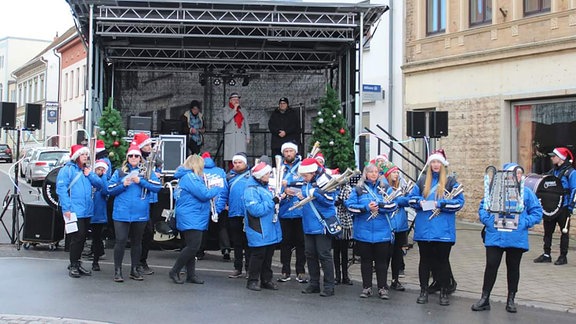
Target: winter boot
[
  {"x": 444, "y": 300},
  {"x": 95, "y": 265},
  {"x": 135, "y": 274},
  {"x": 510, "y": 306},
  {"x": 484, "y": 302},
  {"x": 118, "y": 275},
  {"x": 423, "y": 298}
]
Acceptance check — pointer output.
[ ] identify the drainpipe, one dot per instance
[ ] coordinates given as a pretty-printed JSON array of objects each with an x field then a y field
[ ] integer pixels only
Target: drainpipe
[{"x": 391, "y": 75}]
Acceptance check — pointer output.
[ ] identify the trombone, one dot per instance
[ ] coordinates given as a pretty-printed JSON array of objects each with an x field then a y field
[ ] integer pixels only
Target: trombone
[{"x": 331, "y": 185}]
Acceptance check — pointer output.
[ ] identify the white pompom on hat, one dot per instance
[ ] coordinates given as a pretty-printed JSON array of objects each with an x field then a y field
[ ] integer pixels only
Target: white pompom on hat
[
  {"x": 101, "y": 164},
  {"x": 289, "y": 145},
  {"x": 438, "y": 155},
  {"x": 261, "y": 169},
  {"x": 308, "y": 165},
  {"x": 77, "y": 150}
]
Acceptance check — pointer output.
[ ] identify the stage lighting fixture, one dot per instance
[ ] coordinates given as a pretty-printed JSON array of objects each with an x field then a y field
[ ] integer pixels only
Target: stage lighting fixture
[
  {"x": 231, "y": 82},
  {"x": 217, "y": 81}
]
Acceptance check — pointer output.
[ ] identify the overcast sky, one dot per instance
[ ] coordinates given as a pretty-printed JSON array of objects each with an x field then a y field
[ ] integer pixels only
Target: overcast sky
[{"x": 39, "y": 19}]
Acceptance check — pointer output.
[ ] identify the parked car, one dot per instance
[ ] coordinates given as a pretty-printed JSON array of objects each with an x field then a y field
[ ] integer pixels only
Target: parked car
[
  {"x": 26, "y": 155},
  {"x": 43, "y": 161},
  {"x": 5, "y": 153}
]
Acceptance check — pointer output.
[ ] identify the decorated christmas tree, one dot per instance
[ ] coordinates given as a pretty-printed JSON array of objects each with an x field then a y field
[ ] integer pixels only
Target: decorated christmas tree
[
  {"x": 330, "y": 129},
  {"x": 112, "y": 132}
]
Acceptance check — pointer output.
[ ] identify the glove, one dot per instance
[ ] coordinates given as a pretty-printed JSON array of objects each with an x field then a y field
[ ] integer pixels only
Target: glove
[{"x": 276, "y": 199}]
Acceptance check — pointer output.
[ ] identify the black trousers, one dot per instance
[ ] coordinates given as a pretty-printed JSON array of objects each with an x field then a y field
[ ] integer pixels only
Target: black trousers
[
  {"x": 374, "y": 256},
  {"x": 493, "y": 259},
  {"x": 260, "y": 267},
  {"x": 122, "y": 231},
  {"x": 77, "y": 240},
  {"x": 239, "y": 242},
  {"x": 317, "y": 248},
  {"x": 97, "y": 241},
  {"x": 340, "y": 258},
  {"x": 397, "y": 255},
  {"x": 550, "y": 226},
  {"x": 435, "y": 257},
  {"x": 187, "y": 256},
  {"x": 292, "y": 237}
]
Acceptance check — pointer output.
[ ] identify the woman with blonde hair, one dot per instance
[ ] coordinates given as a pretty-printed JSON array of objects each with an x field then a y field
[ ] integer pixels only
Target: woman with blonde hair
[
  {"x": 435, "y": 224},
  {"x": 192, "y": 215}
]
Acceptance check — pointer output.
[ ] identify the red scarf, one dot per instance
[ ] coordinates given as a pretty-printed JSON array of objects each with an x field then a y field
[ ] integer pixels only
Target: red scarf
[{"x": 238, "y": 118}]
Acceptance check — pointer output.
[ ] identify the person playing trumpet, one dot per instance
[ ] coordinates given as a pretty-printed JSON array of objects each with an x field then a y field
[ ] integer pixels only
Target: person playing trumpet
[
  {"x": 373, "y": 229},
  {"x": 317, "y": 243},
  {"x": 513, "y": 242},
  {"x": 435, "y": 235}
]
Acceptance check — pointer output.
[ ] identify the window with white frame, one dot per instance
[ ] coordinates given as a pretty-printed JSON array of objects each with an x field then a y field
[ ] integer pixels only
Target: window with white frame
[
  {"x": 65, "y": 87},
  {"x": 435, "y": 16},
  {"x": 77, "y": 82},
  {"x": 41, "y": 87},
  {"x": 71, "y": 84}
]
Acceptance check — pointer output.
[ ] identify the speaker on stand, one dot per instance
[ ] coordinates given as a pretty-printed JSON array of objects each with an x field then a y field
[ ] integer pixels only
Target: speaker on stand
[
  {"x": 438, "y": 124},
  {"x": 33, "y": 117},
  {"x": 416, "y": 124},
  {"x": 8, "y": 115}
]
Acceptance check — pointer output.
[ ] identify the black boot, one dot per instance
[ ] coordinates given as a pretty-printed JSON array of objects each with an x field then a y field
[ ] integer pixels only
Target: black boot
[
  {"x": 434, "y": 287},
  {"x": 444, "y": 300},
  {"x": 338, "y": 274},
  {"x": 423, "y": 298},
  {"x": 95, "y": 265},
  {"x": 510, "y": 306},
  {"x": 118, "y": 275},
  {"x": 135, "y": 274},
  {"x": 73, "y": 271},
  {"x": 484, "y": 302}
]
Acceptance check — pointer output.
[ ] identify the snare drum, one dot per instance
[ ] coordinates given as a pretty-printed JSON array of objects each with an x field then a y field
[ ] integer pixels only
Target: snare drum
[{"x": 549, "y": 191}]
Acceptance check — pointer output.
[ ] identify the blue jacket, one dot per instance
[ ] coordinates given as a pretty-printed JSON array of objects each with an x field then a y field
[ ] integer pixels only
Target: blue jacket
[
  {"x": 259, "y": 224},
  {"x": 294, "y": 181},
  {"x": 378, "y": 229},
  {"x": 568, "y": 183},
  {"x": 324, "y": 203},
  {"x": 518, "y": 238},
  {"x": 441, "y": 228},
  {"x": 400, "y": 216},
  {"x": 214, "y": 172},
  {"x": 100, "y": 202},
  {"x": 235, "y": 192},
  {"x": 192, "y": 200},
  {"x": 78, "y": 197},
  {"x": 128, "y": 204}
]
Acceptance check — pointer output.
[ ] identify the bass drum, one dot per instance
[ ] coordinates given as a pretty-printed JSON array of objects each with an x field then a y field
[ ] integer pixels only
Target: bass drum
[
  {"x": 549, "y": 191},
  {"x": 49, "y": 188}
]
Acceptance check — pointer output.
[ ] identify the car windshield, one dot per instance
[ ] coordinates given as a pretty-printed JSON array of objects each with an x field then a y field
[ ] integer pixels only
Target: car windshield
[
  {"x": 47, "y": 156},
  {"x": 3, "y": 146}
]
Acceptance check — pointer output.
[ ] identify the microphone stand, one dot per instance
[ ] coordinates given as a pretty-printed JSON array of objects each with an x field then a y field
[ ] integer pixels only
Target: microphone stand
[{"x": 16, "y": 201}]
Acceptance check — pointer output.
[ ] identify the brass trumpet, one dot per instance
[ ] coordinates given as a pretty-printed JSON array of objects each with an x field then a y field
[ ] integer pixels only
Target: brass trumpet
[
  {"x": 149, "y": 165},
  {"x": 331, "y": 185},
  {"x": 448, "y": 195},
  {"x": 278, "y": 172}
]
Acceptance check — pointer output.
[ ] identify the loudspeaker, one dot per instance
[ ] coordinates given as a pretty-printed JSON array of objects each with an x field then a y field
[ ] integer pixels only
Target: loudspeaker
[
  {"x": 438, "y": 124},
  {"x": 42, "y": 224},
  {"x": 8, "y": 114},
  {"x": 416, "y": 124},
  {"x": 141, "y": 123},
  {"x": 169, "y": 126},
  {"x": 33, "y": 116}
]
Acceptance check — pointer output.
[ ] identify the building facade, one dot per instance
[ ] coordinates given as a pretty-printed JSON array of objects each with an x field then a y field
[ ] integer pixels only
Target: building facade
[{"x": 504, "y": 72}]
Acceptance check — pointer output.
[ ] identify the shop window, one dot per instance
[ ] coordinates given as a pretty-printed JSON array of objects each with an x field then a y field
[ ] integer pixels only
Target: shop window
[{"x": 540, "y": 127}]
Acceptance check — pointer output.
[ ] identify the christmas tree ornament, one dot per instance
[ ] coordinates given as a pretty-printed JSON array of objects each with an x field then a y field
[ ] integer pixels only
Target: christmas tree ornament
[
  {"x": 339, "y": 112},
  {"x": 102, "y": 132},
  {"x": 116, "y": 144},
  {"x": 319, "y": 113},
  {"x": 114, "y": 133},
  {"x": 111, "y": 154},
  {"x": 320, "y": 121},
  {"x": 342, "y": 131},
  {"x": 333, "y": 116},
  {"x": 331, "y": 143}
]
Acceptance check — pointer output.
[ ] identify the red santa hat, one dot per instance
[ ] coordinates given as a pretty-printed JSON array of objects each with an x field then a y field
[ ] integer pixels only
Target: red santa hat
[
  {"x": 261, "y": 169},
  {"x": 319, "y": 156},
  {"x": 390, "y": 169},
  {"x": 308, "y": 165},
  {"x": 101, "y": 164},
  {"x": 289, "y": 145},
  {"x": 438, "y": 155},
  {"x": 77, "y": 150},
  {"x": 100, "y": 146},
  {"x": 141, "y": 140},
  {"x": 133, "y": 150},
  {"x": 563, "y": 153},
  {"x": 382, "y": 156},
  {"x": 206, "y": 155}
]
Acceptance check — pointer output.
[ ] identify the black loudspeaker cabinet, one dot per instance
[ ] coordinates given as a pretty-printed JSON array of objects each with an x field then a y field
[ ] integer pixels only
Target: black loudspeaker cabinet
[
  {"x": 416, "y": 124},
  {"x": 141, "y": 123},
  {"x": 438, "y": 124},
  {"x": 8, "y": 115},
  {"x": 33, "y": 116},
  {"x": 42, "y": 224}
]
